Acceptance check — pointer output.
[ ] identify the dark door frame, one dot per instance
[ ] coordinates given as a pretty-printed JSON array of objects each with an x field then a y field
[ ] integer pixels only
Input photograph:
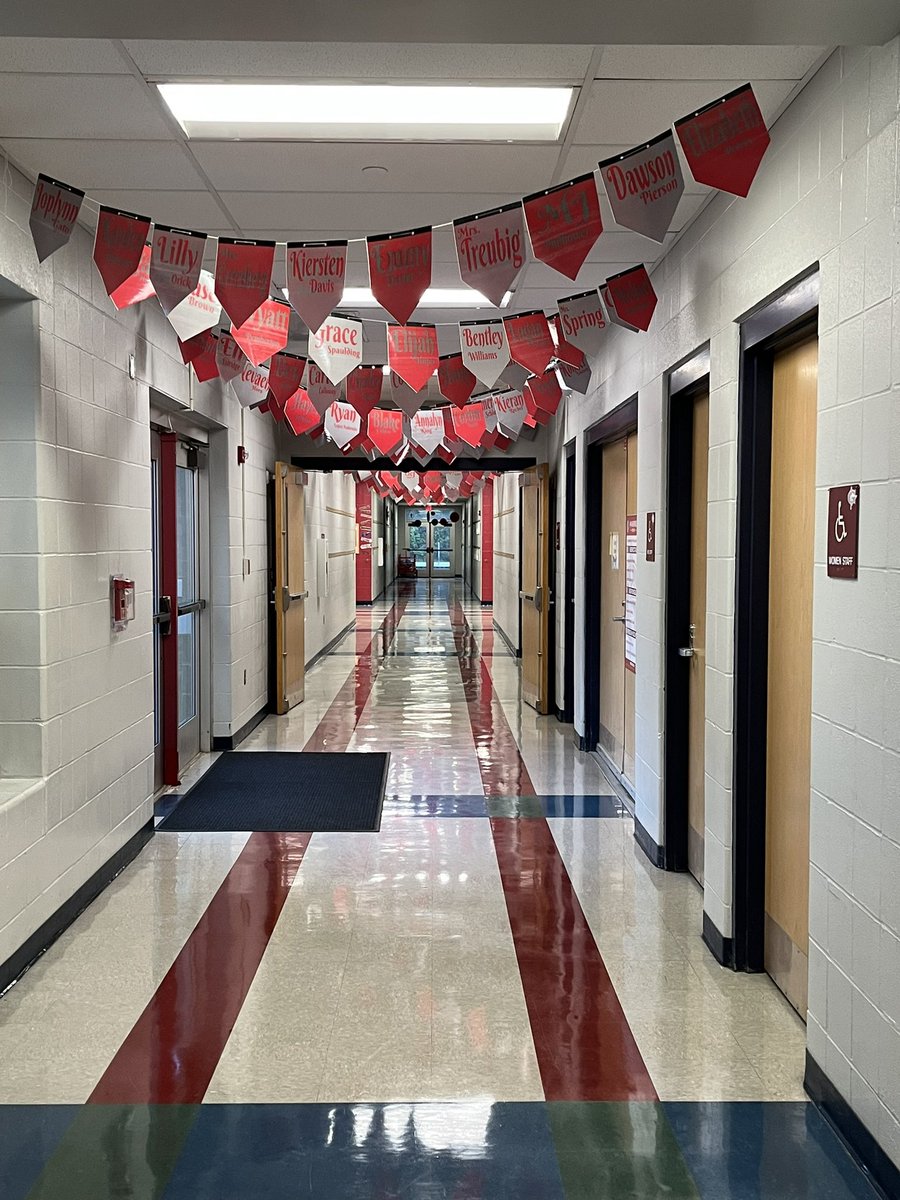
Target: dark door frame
[
  {"x": 788, "y": 319},
  {"x": 621, "y": 421},
  {"x": 685, "y": 383},
  {"x": 567, "y": 713}
]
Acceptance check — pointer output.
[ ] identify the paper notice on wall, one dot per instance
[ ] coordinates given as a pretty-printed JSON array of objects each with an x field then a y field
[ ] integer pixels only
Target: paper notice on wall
[
  {"x": 631, "y": 552},
  {"x": 322, "y": 567},
  {"x": 379, "y": 561}
]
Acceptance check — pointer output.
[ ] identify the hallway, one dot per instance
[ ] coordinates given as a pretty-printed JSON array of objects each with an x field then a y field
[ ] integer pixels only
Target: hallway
[{"x": 496, "y": 995}]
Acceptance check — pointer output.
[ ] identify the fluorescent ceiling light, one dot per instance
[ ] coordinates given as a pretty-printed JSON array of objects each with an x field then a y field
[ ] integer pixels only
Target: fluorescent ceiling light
[
  {"x": 363, "y": 111},
  {"x": 435, "y": 297}
]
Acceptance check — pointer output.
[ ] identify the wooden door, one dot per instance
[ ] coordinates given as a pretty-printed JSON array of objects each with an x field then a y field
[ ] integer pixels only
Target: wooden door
[
  {"x": 791, "y": 534},
  {"x": 630, "y": 572},
  {"x": 696, "y": 640},
  {"x": 290, "y": 588},
  {"x": 534, "y": 595},
  {"x": 612, "y": 600}
]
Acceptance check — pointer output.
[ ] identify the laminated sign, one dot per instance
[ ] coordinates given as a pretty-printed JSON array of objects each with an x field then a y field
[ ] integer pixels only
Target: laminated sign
[
  {"x": 230, "y": 358},
  {"x": 315, "y": 278},
  {"x": 581, "y": 322},
  {"x": 265, "y": 331},
  {"x": 724, "y": 142},
  {"x": 342, "y": 423},
  {"x": 530, "y": 343},
  {"x": 363, "y": 388},
  {"x": 319, "y": 388},
  {"x": 427, "y": 429},
  {"x": 198, "y": 311},
  {"x": 337, "y": 347},
  {"x": 285, "y": 375},
  {"x": 511, "y": 411},
  {"x": 243, "y": 276},
  {"x": 54, "y": 210},
  {"x": 644, "y": 186},
  {"x": 137, "y": 286},
  {"x": 408, "y": 401},
  {"x": 631, "y": 298},
  {"x": 252, "y": 385},
  {"x": 564, "y": 224},
  {"x": 300, "y": 413},
  {"x": 385, "y": 429},
  {"x": 175, "y": 262},
  {"x": 118, "y": 245},
  {"x": 400, "y": 270},
  {"x": 455, "y": 381},
  {"x": 413, "y": 353},
  {"x": 490, "y": 250},
  {"x": 484, "y": 349}
]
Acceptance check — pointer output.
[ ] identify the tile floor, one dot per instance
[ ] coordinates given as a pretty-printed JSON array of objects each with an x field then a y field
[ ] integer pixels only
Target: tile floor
[{"x": 495, "y": 995}]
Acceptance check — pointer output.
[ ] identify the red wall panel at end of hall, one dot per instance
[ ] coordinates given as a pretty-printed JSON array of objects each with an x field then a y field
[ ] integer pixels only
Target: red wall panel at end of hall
[
  {"x": 364, "y": 557},
  {"x": 487, "y": 543}
]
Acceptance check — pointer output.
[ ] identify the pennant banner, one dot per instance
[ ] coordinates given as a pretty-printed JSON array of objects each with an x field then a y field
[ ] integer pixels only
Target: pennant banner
[
  {"x": 400, "y": 270},
  {"x": 632, "y": 299},
  {"x": 582, "y": 321},
  {"x": 578, "y": 379},
  {"x": 204, "y": 363},
  {"x": 137, "y": 287},
  {"x": 118, "y": 245},
  {"x": 285, "y": 375},
  {"x": 385, "y": 429},
  {"x": 644, "y": 186},
  {"x": 198, "y": 311},
  {"x": 265, "y": 331},
  {"x": 315, "y": 278},
  {"x": 469, "y": 423},
  {"x": 566, "y": 352},
  {"x": 427, "y": 429},
  {"x": 545, "y": 391},
  {"x": 511, "y": 411},
  {"x": 455, "y": 381},
  {"x": 230, "y": 358},
  {"x": 404, "y": 397},
  {"x": 175, "y": 262},
  {"x": 243, "y": 276},
  {"x": 337, "y": 346},
  {"x": 490, "y": 250},
  {"x": 321, "y": 391},
  {"x": 484, "y": 349},
  {"x": 300, "y": 413},
  {"x": 54, "y": 210},
  {"x": 251, "y": 386},
  {"x": 342, "y": 423},
  {"x": 564, "y": 224},
  {"x": 724, "y": 142},
  {"x": 413, "y": 353},
  {"x": 530, "y": 343},
  {"x": 363, "y": 388}
]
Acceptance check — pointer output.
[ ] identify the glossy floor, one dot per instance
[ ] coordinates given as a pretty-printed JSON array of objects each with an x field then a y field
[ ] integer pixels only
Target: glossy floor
[{"x": 496, "y": 995}]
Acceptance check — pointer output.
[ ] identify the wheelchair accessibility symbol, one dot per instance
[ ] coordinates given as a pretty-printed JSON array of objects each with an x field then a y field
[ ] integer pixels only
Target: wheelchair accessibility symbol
[
  {"x": 843, "y": 531},
  {"x": 840, "y": 525}
]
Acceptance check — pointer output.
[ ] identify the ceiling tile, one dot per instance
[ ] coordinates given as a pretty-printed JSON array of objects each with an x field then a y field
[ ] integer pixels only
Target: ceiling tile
[
  {"x": 187, "y": 210},
  {"x": 338, "y": 166},
  {"x": 66, "y": 55},
  {"x": 380, "y": 213},
  {"x": 86, "y": 106},
  {"x": 629, "y": 111},
  {"x": 107, "y": 164},
  {"x": 382, "y": 61},
  {"x": 708, "y": 62}
]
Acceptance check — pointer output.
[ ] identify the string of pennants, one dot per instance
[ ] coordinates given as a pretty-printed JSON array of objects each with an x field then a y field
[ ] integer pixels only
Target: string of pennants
[
  {"x": 509, "y": 372},
  {"x": 428, "y": 487}
]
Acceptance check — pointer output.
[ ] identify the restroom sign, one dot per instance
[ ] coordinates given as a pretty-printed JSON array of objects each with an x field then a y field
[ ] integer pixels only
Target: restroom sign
[{"x": 843, "y": 531}]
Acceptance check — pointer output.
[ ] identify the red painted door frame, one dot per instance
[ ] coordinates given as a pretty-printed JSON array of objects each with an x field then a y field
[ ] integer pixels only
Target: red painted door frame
[{"x": 168, "y": 586}]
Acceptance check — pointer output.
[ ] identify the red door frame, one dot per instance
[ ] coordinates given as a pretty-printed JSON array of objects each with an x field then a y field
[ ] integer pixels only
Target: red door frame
[{"x": 168, "y": 586}]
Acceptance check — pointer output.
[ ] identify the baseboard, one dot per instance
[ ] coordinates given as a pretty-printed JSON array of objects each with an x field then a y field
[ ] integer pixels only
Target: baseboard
[
  {"x": 654, "y": 852},
  {"x": 506, "y": 639},
  {"x": 722, "y": 947},
  {"x": 881, "y": 1172},
  {"x": 232, "y": 740},
  {"x": 564, "y": 716},
  {"x": 46, "y": 934},
  {"x": 331, "y": 645}
]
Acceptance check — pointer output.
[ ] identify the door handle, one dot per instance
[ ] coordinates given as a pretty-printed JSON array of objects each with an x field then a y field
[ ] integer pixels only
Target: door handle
[
  {"x": 688, "y": 651},
  {"x": 288, "y": 597},
  {"x": 618, "y": 620},
  {"x": 164, "y": 617}
]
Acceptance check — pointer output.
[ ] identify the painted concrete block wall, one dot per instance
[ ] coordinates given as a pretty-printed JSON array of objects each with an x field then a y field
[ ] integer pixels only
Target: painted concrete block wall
[
  {"x": 330, "y": 531},
  {"x": 77, "y": 426},
  {"x": 506, "y": 555},
  {"x": 827, "y": 193}
]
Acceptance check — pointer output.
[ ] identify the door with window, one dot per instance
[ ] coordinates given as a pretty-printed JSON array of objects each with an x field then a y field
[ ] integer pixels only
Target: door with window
[
  {"x": 534, "y": 595},
  {"x": 431, "y": 540}
]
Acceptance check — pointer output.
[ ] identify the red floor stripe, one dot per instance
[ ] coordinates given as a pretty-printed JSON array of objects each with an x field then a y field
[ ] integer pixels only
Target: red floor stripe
[
  {"x": 172, "y": 1052},
  {"x": 334, "y": 731},
  {"x": 584, "y": 1045}
]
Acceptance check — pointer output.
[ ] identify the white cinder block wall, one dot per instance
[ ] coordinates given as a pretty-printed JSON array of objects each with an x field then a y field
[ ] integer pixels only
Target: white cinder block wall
[
  {"x": 76, "y": 700},
  {"x": 330, "y": 531},
  {"x": 828, "y": 192},
  {"x": 506, "y": 555}
]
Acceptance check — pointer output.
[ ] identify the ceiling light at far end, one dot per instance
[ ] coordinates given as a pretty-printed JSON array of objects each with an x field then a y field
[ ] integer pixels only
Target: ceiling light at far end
[
  {"x": 434, "y": 297},
  {"x": 368, "y": 111}
]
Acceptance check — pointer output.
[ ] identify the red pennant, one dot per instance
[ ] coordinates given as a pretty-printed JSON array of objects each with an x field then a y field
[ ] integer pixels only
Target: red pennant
[
  {"x": 319, "y": 388},
  {"x": 545, "y": 391},
  {"x": 274, "y": 405},
  {"x": 175, "y": 264},
  {"x": 285, "y": 375},
  {"x": 385, "y": 429},
  {"x": 400, "y": 270},
  {"x": 455, "y": 381},
  {"x": 632, "y": 297},
  {"x": 191, "y": 348},
  {"x": 469, "y": 423},
  {"x": 230, "y": 357},
  {"x": 363, "y": 388},
  {"x": 118, "y": 245},
  {"x": 243, "y": 276},
  {"x": 530, "y": 343},
  {"x": 413, "y": 353},
  {"x": 564, "y": 224},
  {"x": 490, "y": 250},
  {"x": 54, "y": 210},
  {"x": 565, "y": 351},
  {"x": 724, "y": 142},
  {"x": 300, "y": 413},
  {"x": 576, "y": 378},
  {"x": 536, "y": 416},
  {"x": 204, "y": 363},
  {"x": 137, "y": 287},
  {"x": 315, "y": 279},
  {"x": 265, "y": 331}
]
